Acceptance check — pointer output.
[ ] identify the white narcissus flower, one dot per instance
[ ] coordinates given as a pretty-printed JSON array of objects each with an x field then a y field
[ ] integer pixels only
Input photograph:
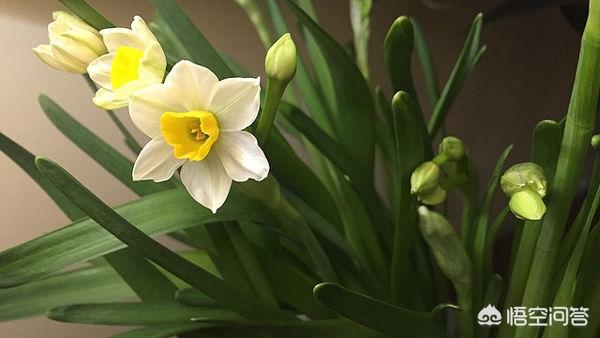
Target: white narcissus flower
[
  {"x": 135, "y": 60},
  {"x": 196, "y": 122},
  {"x": 73, "y": 44}
]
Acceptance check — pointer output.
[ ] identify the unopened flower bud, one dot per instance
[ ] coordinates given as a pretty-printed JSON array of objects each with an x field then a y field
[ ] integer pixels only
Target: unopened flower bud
[
  {"x": 424, "y": 178},
  {"x": 433, "y": 197},
  {"x": 73, "y": 44},
  {"x": 280, "y": 62},
  {"x": 596, "y": 142},
  {"x": 527, "y": 204},
  {"x": 524, "y": 175},
  {"x": 453, "y": 148}
]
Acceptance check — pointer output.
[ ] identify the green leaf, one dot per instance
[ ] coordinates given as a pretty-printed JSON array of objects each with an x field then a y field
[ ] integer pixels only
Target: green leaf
[
  {"x": 26, "y": 161},
  {"x": 90, "y": 284},
  {"x": 359, "y": 176},
  {"x": 398, "y": 50},
  {"x": 110, "y": 159},
  {"x": 193, "y": 297},
  {"x": 137, "y": 313},
  {"x": 145, "y": 280},
  {"x": 87, "y": 13},
  {"x": 83, "y": 240},
  {"x": 468, "y": 58},
  {"x": 330, "y": 328},
  {"x": 481, "y": 226},
  {"x": 353, "y": 110},
  {"x": 190, "y": 38},
  {"x": 241, "y": 302},
  {"x": 377, "y": 315},
  {"x": 587, "y": 291},
  {"x": 294, "y": 174},
  {"x": 424, "y": 54},
  {"x": 411, "y": 149},
  {"x": 163, "y": 331}
]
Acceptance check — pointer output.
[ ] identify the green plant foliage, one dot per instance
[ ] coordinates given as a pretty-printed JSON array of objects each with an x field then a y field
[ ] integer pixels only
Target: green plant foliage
[{"x": 347, "y": 235}]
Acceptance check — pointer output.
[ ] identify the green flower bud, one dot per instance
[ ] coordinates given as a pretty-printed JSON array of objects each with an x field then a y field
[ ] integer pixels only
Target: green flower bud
[
  {"x": 596, "y": 142},
  {"x": 452, "y": 147},
  {"x": 434, "y": 197},
  {"x": 280, "y": 62},
  {"x": 424, "y": 178},
  {"x": 524, "y": 175},
  {"x": 527, "y": 204}
]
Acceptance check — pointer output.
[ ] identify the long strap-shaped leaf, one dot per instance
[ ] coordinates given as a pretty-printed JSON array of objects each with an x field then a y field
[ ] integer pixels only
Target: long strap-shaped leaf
[
  {"x": 239, "y": 301},
  {"x": 481, "y": 226},
  {"x": 26, "y": 161},
  {"x": 90, "y": 284},
  {"x": 144, "y": 278},
  {"x": 195, "y": 43},
  {"x": 84, "y": 240},
  {"x": 354, "y": 111},
  {"x": 152, "y": 313},
  {"x": 377, "y": 315},
  {"x": 338, "y": 156},
  {"x": 467, "y": 60},
  {"x": 113, "y": 161}
]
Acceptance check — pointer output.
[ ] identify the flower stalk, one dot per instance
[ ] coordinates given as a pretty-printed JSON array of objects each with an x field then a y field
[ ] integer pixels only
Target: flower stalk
[
  {"x": 580, "y": 122},
  {"x": 280, "y": 67}
]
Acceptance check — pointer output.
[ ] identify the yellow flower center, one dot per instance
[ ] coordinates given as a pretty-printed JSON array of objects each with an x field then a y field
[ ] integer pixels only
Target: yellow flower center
[
  {"x": 125, "y": 66},
  {"x": 191, "y": 134}
]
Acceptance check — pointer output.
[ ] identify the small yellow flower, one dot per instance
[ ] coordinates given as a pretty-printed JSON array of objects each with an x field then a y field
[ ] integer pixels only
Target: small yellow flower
[
  {"x": 197, "y": 122},
  {"x": 73, "y": 44},
  {"x": 135, "y": 61}
]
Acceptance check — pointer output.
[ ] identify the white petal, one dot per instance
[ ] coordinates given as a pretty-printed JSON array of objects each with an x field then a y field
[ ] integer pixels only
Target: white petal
[
  {"x": 116, "y": 37},
  {"x": 156, "y": 162},
  {"x": 236, "y": 102},
  {"x": 139, "y": 27},
  {"x": 124, "y": 93},
  {"x": 147, "y": 105},
  {"x": 104, "y": 98},
  {"x": 45, "y": 54},
  {"x": 207, "y": 181},
  {"x": 71, "y": 21},
  {"x": 99, "y": 70},
  {"x": 74, "y": 52},
  {"x": 153, "y": 64},
  {"x": 91, "y": 40},
  {"x": 196, "y": 84},
  {"x": 63, "y": 56},
  {"x": 241, "y": 156}
]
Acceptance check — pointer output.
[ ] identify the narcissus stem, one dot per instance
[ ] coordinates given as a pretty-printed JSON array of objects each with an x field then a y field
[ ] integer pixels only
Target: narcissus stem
[{"x": 580, "y": 122}]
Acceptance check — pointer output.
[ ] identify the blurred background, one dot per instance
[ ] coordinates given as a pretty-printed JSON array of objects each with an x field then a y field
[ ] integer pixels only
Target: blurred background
[{"x": 525, "y": 76}]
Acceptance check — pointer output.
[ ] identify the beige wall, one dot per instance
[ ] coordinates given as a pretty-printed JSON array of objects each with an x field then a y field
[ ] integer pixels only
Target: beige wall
[{"x": 525, "y": 76}]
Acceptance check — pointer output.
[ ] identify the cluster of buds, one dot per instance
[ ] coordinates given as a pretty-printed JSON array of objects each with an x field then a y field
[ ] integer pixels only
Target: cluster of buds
[
  {"x": 525, "y": 185},
  {"x": 431, "y": 180}
]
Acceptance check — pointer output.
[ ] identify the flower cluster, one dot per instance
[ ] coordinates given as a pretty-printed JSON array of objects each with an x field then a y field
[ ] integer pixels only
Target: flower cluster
[
  {"x": 429, "y": 182},
  {"x": 195, "y": 121}
]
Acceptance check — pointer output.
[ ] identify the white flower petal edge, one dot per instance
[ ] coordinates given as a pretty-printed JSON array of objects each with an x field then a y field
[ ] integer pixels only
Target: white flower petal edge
[
  {"x": 207, "y": 181},
  {"x": 151, "y": 70},
  {"x": 196, "y": 84},
  {"x": 236, "y": 102},
  {"x": 156, "y": 162},
  {"x": 241, "y": 156}
]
